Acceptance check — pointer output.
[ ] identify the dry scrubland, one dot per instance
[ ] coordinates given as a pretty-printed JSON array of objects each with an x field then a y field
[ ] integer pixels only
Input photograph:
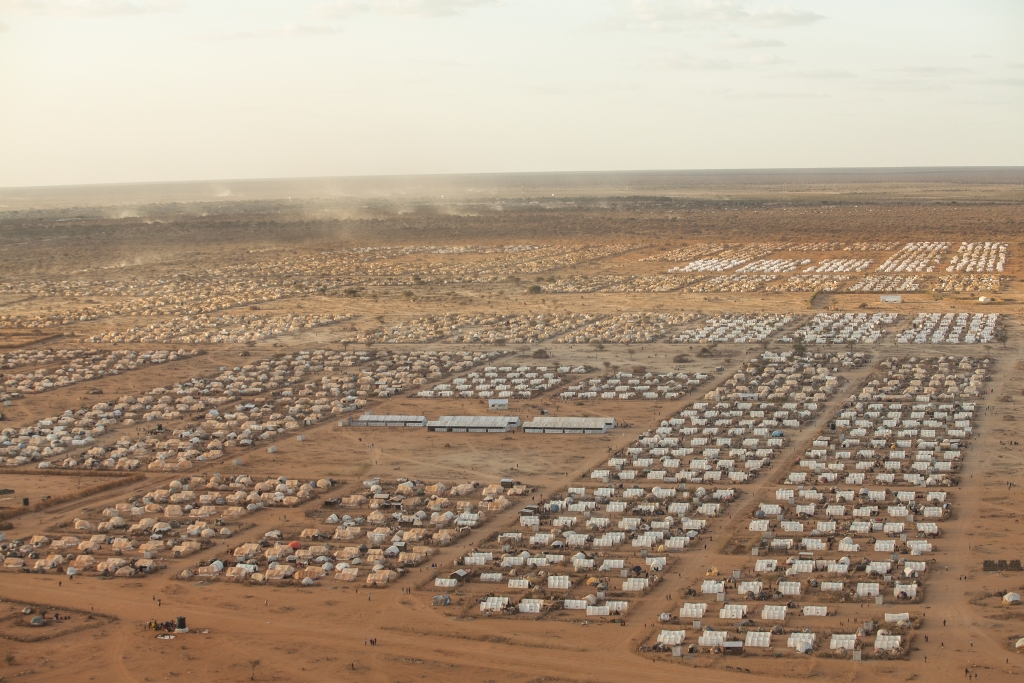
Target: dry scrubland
[{"x": 179, "y": 363}]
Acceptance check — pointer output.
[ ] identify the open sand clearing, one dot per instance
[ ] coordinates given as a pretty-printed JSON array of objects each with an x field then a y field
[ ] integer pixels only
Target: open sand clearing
[{"x": 178, "y": 382}]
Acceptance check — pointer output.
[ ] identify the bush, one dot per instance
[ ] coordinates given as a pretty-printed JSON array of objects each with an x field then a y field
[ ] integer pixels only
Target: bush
[
  {"x": 534, "y": 289},
  {"x": 681, "y": 358},
  {"x": 541, "y": 353}
]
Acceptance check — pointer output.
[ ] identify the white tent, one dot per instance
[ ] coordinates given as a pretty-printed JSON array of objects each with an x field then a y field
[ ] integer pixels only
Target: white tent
[
  {"x": 905, "y": 590},
  {"x": 494, "y": 604},
  {"x": 801, "y": 642},
  {"x": 693, "y": 610},
  {"x": 530, "y": 605},
  {"x": 732, "y": 611},
  {"x": 887, "y": 642},
  {"x": 635, "y": 585},
  {"x": 672, "y": 637},
  {"x": 758, "y": 639},
  {"x": 559, "y": 582},
  {"x": 843, "y": 641},
  {"x": 712, "y": 638}
]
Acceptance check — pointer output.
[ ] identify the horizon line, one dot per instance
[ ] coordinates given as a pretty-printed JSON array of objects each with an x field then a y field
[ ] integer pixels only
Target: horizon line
[{"x": 485, "y": 174}]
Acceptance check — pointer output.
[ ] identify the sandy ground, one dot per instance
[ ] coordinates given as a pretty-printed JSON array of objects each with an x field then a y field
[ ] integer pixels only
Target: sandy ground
[
  {"x": 304, "y": 634},
  {"x": 321, "y": 633}
]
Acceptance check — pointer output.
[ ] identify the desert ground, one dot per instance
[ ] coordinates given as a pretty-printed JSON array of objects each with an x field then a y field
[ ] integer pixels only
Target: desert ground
[{"x": 813, "y": 378}]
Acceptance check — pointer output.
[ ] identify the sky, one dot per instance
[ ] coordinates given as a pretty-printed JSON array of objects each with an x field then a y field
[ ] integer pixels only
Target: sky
[{"x": 111, "y": 91}]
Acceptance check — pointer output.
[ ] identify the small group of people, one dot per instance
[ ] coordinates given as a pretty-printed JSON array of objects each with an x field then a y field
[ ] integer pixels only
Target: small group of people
[
  {"x": 56, "y": 616},
  {"x": 169, "y": 626},
  {"x": 369, "y": 641}
]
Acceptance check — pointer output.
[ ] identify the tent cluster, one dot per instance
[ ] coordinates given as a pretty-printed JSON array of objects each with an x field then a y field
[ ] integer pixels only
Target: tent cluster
[
  {"x": 388, "y": 374},
  {"x": 623, "y": 521},
  {"x": 650, "y": 284},
  {"x": 968, "y": 283},
  {"x": 951, "y": 328},
  {"x": 686, "y": 253},
  {"x": 627, "y": 328},
  {"x": 280, "y": 395},
  {"x": 80, "y": 366},
  {"x": 855, "y": 517},
  {"x": 735, "y": 328},
  {"x": 584, "y": 284},
  {"x": 886, "y": 283},
  {"x": 808, "y": 283},
  {"x": 48, "y": 320},
  {"x": 599, "y": 540},
  {"x": 693, "y": 251},
  {"x": 739, "y": 427},
  {"x": 49, "y": 439},
  {"x": 387, "y": 267},
  {"x": 628, "y": 284},
  {"x": 841, "y": 265},
  {"x": 734, "y": 282},
  {"x": 710, "y": 265},
  {"x": 915, "y": 257},
  {"x": 182, "y": 294},
  {"x": 979, "y": 257},
  {"x": 843, "y": 328},
  {"x": 219, "y": 329},
  {"x": 522, "y": 328},
  {"x": 214, "y": 502},
  {"x": 418, "y": 330},
  {"x": 546, "y": 580},
  {"x": 775, "y": 266},
  {"x": 737, "y": 630},
  {"x": 505, "y": 381},
  {"x": 104, "y": 554},
  {"x": 421, "y": 506},
  {"x": 732, "y": 257},
  {"x": 476, "y": 329},
  {"x": 401, "y": 528},
  {"x": 178, "y": 521},
  {"x": 304, "y": 561},
  {"x": 624, "y": 386},
  {"x": 591, "y": 605}
]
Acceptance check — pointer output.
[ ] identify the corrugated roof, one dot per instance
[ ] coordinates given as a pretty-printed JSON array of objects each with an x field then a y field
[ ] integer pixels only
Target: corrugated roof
[
  {"x": 476, "y": 421},
  {"x": 570, "y": 423},
  {"x": 369, "y": 417}
]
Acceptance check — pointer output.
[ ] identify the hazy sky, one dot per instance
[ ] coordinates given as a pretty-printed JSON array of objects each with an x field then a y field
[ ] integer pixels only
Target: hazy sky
[{"x": 95, "y": 91}]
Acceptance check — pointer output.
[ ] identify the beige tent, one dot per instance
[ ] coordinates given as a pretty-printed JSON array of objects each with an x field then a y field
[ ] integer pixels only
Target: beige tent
[{"x": 347, "y": 574}]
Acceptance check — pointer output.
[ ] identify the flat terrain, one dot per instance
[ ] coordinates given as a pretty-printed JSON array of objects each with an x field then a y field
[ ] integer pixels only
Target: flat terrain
[{"x": 218, "y": 337}]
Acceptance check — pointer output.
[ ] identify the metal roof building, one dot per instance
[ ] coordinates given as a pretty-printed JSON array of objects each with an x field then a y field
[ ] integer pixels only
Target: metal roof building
[
  {"x": 371, "y": 420},
  {"x": 473, "y": 423},
  {"x": 569, "y": 425}
]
